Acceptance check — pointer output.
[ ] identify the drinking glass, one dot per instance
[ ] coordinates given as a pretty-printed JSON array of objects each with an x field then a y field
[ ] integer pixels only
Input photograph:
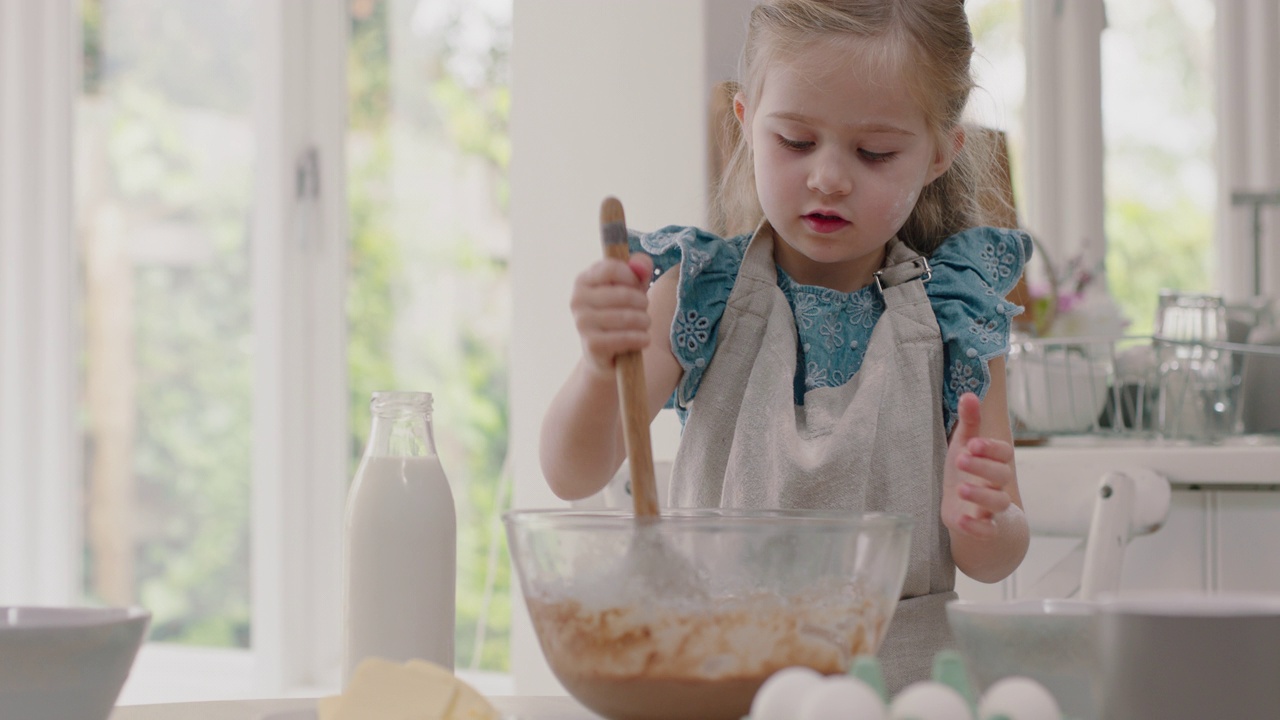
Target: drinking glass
[{"x": 1196, "y": 401}]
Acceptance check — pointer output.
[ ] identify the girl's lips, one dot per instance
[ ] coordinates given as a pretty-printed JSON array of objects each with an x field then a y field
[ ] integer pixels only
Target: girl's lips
[{"x": 823, "y": 224}]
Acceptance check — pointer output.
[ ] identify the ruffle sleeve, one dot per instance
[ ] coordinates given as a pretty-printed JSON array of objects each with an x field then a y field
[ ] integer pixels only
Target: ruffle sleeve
[
  {"x": 708, "y": 268},
  {"x": 973, "y": 271}
]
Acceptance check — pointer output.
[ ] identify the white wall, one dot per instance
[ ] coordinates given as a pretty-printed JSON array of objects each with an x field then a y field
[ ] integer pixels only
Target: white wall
[{"x": 609, "y": 98}]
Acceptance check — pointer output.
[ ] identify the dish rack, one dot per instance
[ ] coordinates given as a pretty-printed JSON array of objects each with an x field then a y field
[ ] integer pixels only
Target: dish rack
[{"x": 1141, "y": 387}]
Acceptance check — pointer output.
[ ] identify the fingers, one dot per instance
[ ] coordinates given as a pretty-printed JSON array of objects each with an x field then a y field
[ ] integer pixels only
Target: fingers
[
  {"x": 986, "y": 470},
  {"x": 635, "y": 273},
  {"x": 978, "y": 526},
  {"x": 968, "y": 419},
  {"x": 642, "y": 265},
  {"x": 987, "y": 501},
  {"x": 996, "y": 470},
  {"x": 611, "y": 309}
]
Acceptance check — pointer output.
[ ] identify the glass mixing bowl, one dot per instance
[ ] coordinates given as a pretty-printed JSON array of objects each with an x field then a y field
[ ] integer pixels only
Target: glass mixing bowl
[{"x": 684, "y": 617}]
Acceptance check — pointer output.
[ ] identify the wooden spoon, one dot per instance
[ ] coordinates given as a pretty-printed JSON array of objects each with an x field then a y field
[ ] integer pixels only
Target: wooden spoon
[{"x": 632, "y": 394}]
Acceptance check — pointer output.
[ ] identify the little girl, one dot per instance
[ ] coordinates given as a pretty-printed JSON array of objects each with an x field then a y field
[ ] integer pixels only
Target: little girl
[{"x": 848, "y": 353}]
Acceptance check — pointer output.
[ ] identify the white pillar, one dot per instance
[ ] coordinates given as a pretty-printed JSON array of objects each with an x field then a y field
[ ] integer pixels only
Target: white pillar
[
  {"x": 40, "y": 440},
  {"x": 1044, "y": 176},
  {"x": 1066, "y": 200},
  {"x": 609, "y": 98}
]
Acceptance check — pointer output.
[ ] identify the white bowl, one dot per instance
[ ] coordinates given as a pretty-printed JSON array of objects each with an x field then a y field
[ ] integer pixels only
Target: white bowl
[
  {"x": 1053, "y": 642},
  {"x": 1058, "y": 391},
  {"x": 63, "y": 663}
]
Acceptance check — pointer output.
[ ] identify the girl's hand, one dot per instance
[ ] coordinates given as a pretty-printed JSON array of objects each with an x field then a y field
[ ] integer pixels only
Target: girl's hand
[
  {"x": 611, "y": 310},
  {"x": 975, "y": 486}
]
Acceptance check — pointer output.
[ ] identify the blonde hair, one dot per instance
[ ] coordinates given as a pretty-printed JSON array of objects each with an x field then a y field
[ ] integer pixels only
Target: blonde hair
[{"x": 932, "y": 38}]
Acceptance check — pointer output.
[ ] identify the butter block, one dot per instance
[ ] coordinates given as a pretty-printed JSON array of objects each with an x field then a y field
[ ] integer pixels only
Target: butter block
[
  {"x": 417, "y": 690},
  {"x": 327, "y": 707},
  {"x": 383, "y": 690},
  {"x": 471, "y": 705}
]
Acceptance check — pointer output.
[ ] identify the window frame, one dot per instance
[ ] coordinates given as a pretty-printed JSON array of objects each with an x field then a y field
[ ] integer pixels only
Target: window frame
[{"x": 300, "y": 434}]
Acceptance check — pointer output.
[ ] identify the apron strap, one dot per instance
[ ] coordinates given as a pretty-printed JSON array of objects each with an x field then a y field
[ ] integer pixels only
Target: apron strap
[{"x": 902, "y": 264}]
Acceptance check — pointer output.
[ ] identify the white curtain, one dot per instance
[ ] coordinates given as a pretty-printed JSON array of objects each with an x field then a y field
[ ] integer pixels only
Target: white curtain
[{"x": 39, "y": 443}]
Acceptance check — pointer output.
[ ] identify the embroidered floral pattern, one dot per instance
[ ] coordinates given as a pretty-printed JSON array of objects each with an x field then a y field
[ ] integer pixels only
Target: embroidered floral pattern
[
  {"x": 806, "y": 309},
  {"x": 864, "y": 309},
  {"x": 963, "y": 378},
  {"x": 999, "y": 258},
  {"x": 816, "y": 377},
  {"x": 986, "y": 331},
  {"x": 692, "y": 330},
  {"x": 832, "y": 332},
  {"x": 697, "y": 260}
]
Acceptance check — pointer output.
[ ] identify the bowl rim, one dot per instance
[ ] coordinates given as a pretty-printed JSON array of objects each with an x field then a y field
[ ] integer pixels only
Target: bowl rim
[
  {"x": 682, "y": 519},
  {"x": 1192, "y": 604},
  {"x": 1025, "y": 607},
  {"x": 50, "y": 617}
]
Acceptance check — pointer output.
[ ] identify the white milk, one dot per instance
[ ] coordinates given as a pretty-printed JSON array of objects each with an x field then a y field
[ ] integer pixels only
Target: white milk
[{"x": 400, "y": 562}]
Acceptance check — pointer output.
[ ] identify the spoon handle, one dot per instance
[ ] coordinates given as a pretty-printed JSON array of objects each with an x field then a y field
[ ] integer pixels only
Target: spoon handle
[{"x": 631, "y": 386}]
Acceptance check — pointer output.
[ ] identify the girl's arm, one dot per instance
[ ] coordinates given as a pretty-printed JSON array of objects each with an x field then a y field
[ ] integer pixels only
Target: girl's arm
[
  {"x": 582, "y": 444},
  {"x": 981, "y": 506}
]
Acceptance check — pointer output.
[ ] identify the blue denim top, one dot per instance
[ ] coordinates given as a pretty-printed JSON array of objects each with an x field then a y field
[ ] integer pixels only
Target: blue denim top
[{"x": 973, "y": 271}]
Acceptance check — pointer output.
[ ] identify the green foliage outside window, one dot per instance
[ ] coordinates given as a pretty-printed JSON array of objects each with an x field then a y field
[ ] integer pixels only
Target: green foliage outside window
[
  {"x": 466, "y": 370},
  {"x": 192, "y": 336}
]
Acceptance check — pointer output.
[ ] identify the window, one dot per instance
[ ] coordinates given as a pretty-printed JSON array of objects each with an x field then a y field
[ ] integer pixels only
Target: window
[
  {"x": 165, "y": 159},
  {"x": 1000, "y": 74},
  {"x": 429, "y": 300},
  {"x": 1159, "y": 120},
  {"x": 186, "y": 361},
  {"x": 1159, "y": 134}
]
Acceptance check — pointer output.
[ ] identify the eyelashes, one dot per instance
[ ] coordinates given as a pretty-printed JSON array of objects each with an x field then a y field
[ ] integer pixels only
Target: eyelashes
[
  {"x": 801, "y": 145},
  {"x": 790, "y": 144},
  {"x": 876, "y": 157}
]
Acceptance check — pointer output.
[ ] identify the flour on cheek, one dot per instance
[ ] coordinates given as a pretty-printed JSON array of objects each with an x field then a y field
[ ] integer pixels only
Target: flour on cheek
[{"x": 902, "y": 207}]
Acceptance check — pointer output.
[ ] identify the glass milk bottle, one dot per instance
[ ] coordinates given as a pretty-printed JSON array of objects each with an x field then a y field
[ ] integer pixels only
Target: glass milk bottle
[{"x": 400, "y": 541}]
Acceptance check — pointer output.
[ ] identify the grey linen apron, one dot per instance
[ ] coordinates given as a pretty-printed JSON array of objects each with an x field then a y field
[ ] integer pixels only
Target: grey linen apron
[{"x": 876, "y": 443}]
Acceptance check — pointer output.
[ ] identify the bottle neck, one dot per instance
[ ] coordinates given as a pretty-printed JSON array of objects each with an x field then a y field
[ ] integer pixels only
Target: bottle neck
[{"x": 401, "y": 426}]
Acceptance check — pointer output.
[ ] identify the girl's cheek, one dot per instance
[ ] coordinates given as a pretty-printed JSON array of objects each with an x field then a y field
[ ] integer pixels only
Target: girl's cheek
[{"x": 902, "y": 206}]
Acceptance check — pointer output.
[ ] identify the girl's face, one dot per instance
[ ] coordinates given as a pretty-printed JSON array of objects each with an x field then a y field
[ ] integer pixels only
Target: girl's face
[{"x": 841, "y": 152}]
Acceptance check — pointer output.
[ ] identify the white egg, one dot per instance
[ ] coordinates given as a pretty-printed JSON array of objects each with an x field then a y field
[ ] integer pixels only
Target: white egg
[
  {"x": 928, "y": 700},
  {"x": 780, "y": 696},
  {"x": 1020, "y": 698},
  {"x": 841, "y": 698}
]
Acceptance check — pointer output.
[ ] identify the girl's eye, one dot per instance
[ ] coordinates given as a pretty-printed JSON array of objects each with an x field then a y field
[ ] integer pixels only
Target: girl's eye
[
  {"x": 876, "y": 157},
  {"x": 794, "y": 144}
]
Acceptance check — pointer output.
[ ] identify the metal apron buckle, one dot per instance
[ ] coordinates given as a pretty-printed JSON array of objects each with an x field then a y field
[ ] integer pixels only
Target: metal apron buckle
[{"x": 921, "y": 262}]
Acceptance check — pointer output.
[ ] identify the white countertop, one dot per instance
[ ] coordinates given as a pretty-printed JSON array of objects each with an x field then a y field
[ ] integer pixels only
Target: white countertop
[
  {"x": 1241, "y": 462},
  {"x": 512, "y": 707}
]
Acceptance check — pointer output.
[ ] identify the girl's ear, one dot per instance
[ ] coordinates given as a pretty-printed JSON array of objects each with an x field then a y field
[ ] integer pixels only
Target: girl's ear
[
  {"x": 946, "y": 153},
  {"x": 740, "y": 111}
]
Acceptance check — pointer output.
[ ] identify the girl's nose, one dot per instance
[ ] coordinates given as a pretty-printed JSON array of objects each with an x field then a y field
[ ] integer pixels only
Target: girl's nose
[{"x": 830, "y": 175}]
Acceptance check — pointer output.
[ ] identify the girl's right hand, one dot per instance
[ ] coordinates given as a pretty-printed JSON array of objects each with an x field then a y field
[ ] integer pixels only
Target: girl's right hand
[{"x": 610, "y": 307}]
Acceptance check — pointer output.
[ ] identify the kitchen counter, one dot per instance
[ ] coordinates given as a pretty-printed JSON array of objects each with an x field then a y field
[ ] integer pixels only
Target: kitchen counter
[
  {"x": 512, "y": 708},
  {"x": 1245, "y": 462}
]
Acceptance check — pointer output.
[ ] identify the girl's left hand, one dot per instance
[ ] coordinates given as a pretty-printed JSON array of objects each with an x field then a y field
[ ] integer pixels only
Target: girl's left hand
[{"x": 975, "y": 484}]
